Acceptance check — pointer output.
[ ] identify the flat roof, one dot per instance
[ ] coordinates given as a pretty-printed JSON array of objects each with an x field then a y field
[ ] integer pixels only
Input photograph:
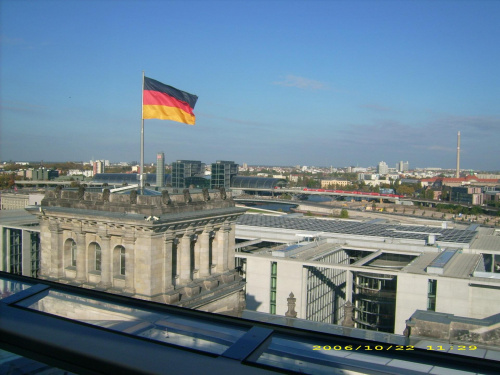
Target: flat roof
[
  {"x": 460, "y": 266},
  {"x": 21, "y": 219},
  {"x": 414, "y": 232},
  {"x": 487, "y": 242}
]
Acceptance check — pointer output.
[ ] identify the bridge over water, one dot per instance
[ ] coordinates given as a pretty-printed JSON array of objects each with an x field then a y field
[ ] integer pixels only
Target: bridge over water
[{"x": 324, "y": 192}]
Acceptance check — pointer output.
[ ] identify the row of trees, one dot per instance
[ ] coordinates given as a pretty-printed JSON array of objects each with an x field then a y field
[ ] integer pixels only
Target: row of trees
[{"x": 8, "y": 180}]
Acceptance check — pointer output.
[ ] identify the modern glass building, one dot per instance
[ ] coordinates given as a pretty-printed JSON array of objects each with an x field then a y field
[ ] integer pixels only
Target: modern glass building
[
  {"x": 222, "y": 173},
  {"x": 257, "y": 182},
  {"x": 20, "y": 243},
  {"x": 184, "y": 171}
]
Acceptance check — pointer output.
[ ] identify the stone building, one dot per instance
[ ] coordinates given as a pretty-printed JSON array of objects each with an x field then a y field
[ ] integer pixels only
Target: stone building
[
  {"x": 16, "y": 201},
  {"x": 176, "y": 249}
]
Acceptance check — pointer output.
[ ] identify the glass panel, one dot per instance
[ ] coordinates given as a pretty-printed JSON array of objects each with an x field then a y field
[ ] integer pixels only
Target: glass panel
[
  {"x": 11, "y": 363},
  {"x": 122, "y": 261},
  {"x": 188, "y": 332},
  {"x": 35, "y": 253},
  {"x": 97, "y": 257},
  {"x": 73, "y": 253},
  {"x": 16, "y": 245},
  {"x": 9, "y": 287},
  {"x": 316, "y": 357},
  {"x": 299, "y": 356}
]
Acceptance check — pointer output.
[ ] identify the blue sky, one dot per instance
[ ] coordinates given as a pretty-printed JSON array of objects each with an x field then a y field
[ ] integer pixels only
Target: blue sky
[{"x": 279, "y": 82}]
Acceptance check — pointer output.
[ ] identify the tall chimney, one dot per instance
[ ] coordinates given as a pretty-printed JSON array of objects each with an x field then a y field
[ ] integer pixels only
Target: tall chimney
[{"x": 458, "y": 156}]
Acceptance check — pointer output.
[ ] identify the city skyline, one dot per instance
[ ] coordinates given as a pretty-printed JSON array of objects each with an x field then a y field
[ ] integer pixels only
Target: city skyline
[{"x": 314, "y": 83}]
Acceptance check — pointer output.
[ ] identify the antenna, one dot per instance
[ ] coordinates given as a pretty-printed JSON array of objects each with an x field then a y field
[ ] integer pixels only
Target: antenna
[{"x": 458, "y": 155}]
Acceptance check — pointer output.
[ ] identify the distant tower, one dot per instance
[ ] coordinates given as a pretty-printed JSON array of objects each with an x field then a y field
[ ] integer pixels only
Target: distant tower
[
  {"x": 458, "y": 156},
  {"x": 382, "y": 168},
  {"x": 160, "y": 169},
  {"x": 98, "y": 167}
]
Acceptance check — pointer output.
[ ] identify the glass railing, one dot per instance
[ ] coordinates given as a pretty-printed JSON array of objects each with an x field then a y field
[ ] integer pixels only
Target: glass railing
[
  {"x": 292, "y": 346},
  {"x": 159, "y": 326},
  {"x": 9, "y": 287}
]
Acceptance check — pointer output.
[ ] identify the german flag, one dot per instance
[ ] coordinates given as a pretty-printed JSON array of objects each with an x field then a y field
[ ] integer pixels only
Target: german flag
[{"x": 165, "y": 102}]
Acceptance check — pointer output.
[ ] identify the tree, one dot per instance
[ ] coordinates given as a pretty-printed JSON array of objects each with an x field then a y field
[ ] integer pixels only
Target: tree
[
  {"x": 405, "y": 190},
  {"x": 429, "y": 194},
  {"x": 7, "y": 180},
  {"x": 344, "y": 214}
]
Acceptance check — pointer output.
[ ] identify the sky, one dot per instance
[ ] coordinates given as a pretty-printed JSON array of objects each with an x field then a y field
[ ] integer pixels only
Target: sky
[{"x": 316, "y": 83}]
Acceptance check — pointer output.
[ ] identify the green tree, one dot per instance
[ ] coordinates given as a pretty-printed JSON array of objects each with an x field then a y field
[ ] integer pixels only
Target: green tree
[
  {"x": 429, "y": 194},
  {"x": 344, "y": 214},
  {"x": 405, "y": 190}
]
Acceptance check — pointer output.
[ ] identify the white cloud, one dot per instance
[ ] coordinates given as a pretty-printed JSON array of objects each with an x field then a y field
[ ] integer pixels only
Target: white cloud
[{"x": 302, "y": 83}]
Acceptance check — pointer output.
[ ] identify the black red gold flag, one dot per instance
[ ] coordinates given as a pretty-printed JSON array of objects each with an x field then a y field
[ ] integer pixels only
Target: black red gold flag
[{"x": 165, "y": 102}]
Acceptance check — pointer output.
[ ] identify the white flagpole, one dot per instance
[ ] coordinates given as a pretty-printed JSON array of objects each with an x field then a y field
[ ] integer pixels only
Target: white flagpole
[{"x": 141, "y": 181}]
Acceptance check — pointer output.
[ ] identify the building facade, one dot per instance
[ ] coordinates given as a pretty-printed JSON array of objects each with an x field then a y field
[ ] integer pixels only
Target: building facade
[
  {"x": 334, "y": 183},
  {"x": 160, "y": 169},
  {"x": 403, "y": 166},
  {"x": 98, "y": 166},
  {"x": 20, "y": 241},
  {"x": 184, "y": 171},
  {"x": 467, "y": 195},
  {"x": 222, "y": 172},
  {"x": 175, "y": 249},
  {"x": 382, "y": 168},
  {"x": 17, "y": 201},
  {"x": 385, "y": 272}
]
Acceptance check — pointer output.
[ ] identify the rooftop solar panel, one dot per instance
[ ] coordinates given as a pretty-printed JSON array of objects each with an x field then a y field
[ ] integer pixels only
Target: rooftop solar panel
[
  {"x": 356, "y": 228},
  {"x": 443, "y": 258}
]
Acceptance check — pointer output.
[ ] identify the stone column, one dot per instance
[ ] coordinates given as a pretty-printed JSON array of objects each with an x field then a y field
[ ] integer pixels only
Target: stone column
[
  {"x": 81, "y": 259},
  {"x": 215, "y": 251},
  {"x": 185, "y": 259},
  {"x": 129, "y": 245},
  {"x": 222, "y": 249},
  {"x": 176, "y": 251},
  {"x": 204, "y": 265},
  {"x": 168, "y": 258},
  {"x": 105, "y": 261},
  {"x": 197, "y": 257},
  {"x": 230, "y": 248},
  {"x": 56, "y": 268}
]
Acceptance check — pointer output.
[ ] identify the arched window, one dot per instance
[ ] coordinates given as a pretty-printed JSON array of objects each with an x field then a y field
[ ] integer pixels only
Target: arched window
[
  {"x": 73, "y": 254},
  {"x": 70, "y": 253},
  {"x": 122, "y": 261},
  {"x": 119, "y": 261},
  {"x": 98, "y": 256}
]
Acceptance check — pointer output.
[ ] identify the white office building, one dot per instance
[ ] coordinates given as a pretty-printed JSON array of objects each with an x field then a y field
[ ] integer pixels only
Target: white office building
[{"x": 386, "y": 271}]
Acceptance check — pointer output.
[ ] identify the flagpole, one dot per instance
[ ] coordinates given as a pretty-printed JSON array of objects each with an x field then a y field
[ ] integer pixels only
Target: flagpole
[{"x": 141, "y": 178}]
